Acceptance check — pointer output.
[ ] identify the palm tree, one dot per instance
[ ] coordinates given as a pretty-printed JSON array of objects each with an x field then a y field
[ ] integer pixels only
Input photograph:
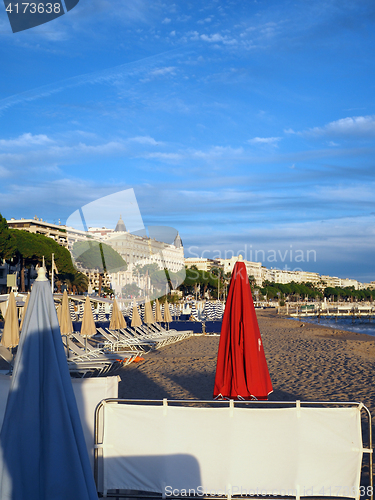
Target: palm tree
[{"x": 80, "y": 282}]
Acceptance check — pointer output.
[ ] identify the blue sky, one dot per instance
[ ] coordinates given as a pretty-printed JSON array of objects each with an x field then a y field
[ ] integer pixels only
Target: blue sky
[{"x": 247, "y": 125}]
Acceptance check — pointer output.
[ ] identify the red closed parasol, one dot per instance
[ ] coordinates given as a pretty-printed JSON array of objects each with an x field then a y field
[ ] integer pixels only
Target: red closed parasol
[{"x": 241, "y": 369}]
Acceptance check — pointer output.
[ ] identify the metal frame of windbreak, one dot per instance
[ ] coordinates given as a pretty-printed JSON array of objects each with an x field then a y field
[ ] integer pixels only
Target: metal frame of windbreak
[{"x": 99, "y": 425}]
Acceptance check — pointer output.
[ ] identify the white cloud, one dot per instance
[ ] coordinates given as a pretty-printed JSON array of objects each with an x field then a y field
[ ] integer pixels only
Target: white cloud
[
  {"x": 358, "y": 192},
  {"x": 163, "y": 71},
  {"x": 217, "y": 152},
  {"x": 194, "y": 35},
  {"x": 26, "y": 140},
  {"x": 145, "y": 139},
  {"x": 216, "y": 37},
  {"x": 355, "y": 126},
  {"x": 54, "y": 155},
  {"x": 167, "y": 20},
  {"x": 265, "y": 140},
  {"x": 168, "y": 70},
  {"x": 165, "y": 156},
  {"x": 202, "y": 21},
  {"x": 4, "y": 172}
]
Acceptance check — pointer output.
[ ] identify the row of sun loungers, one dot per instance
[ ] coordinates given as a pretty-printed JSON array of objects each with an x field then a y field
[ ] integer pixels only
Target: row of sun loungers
[
  {"x": 84, "y": 359},
  {"x": 109, "y": 350},
  {"x": 144, "y": 337}
]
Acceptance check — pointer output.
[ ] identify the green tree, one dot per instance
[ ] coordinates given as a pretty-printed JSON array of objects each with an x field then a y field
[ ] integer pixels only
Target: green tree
[
  {"x": 28, "y": 249},
  {"x": 7, "y": 248},
  {"x": 80, "y": 283}
]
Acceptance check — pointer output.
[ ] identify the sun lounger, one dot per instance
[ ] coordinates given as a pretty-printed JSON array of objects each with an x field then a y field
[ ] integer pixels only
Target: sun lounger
[
  {"x": 81, "y": 368},
  {"x": 83, "y": 344},
  {"x": 148, "y": 334},
  {"x": 7, "y": 356},
  {"x": 165, "y": 337},
  {"x": 94, "y": 363},
  {"x": 142, "y": 334},
  {"x": 117, "y": 340}
]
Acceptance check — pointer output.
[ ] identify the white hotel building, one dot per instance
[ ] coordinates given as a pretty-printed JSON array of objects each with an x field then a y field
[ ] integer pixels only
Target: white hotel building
[{"x": 137, "y": 251}]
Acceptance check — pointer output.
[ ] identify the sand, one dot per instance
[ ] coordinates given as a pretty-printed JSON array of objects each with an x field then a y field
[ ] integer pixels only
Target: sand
[{"x": 306, "y": 362}]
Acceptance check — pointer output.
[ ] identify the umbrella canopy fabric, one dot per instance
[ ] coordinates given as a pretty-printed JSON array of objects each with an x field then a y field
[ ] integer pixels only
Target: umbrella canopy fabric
[
  {"x": 11, "y": 333},
  {"x": 194, "y": 312},
  {"x": 72, "y": 311},
  {"x": 136, "y": 319},
  {"x": 102, "y": 316},
  {"x": 149, "y": 317},
  {"x": 25, "y": 309},
  {"x": 66, "y": 325},
  {"x": 88, "y": 328},
  {"x": 58, "y": 312},
  {"x": 158, "y": 316},
  {"x": 117, "y": 318},
  {"x": 43, "y": 454},
  {"x": 167, "y": 314},
  {"x": 241, "y": 370}
]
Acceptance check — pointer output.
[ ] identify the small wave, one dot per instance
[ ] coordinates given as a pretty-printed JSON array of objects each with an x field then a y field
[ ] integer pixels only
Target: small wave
[{"x": 360, "y": 325}]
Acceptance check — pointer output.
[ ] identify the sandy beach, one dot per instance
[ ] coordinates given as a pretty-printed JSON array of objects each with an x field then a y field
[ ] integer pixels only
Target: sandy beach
[{"x": 306, "y": 362}]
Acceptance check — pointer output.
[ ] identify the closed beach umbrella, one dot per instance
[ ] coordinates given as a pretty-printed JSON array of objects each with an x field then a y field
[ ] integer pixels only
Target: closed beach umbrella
[
  {"x": 136, "y": 319},
  {"x": 11, "y": 333},
  {"x": 66, "y": 325},
  {"x": 142, "y": 311},
  {"x": 149, "y": 317},
  {"x": 158, "y": 316},
  {"x": 88, "y": 327},
  {"x": 194, "y": 312},
  {"x": 58, "y": 312},
  {"x": 102, "y": 316},
  {"x": 117, "y": 318},
  {"x": 80, "y": 311},
  {"x": 167, "y": 314},
  {"x": 43, "y": 453},
  {"x": 241, "y": 370},
  {"x": 24, "y": 309},
  {"x": 72, "y": 311}
]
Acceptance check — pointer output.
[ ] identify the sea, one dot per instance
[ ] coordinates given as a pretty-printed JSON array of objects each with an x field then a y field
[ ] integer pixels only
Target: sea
[{"x": 360, "y": 325}]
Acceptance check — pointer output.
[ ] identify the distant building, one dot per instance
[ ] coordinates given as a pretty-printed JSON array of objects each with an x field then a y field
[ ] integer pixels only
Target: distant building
[
  {"x": 330, "y": 281},
  {"x": 202, "y": 264},
  {"x": 285, "y": 276},
  {"x": 347, "y": 282},
  {"x": 141, "y": 250},
  {"x": 38, "y": 226},
  {"x": 253, "y": 268},
  {"x": 137, "y": 251}
]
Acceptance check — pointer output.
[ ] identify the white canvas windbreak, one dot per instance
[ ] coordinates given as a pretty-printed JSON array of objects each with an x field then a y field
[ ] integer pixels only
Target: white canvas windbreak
[{"x": 227, "y": 451}]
